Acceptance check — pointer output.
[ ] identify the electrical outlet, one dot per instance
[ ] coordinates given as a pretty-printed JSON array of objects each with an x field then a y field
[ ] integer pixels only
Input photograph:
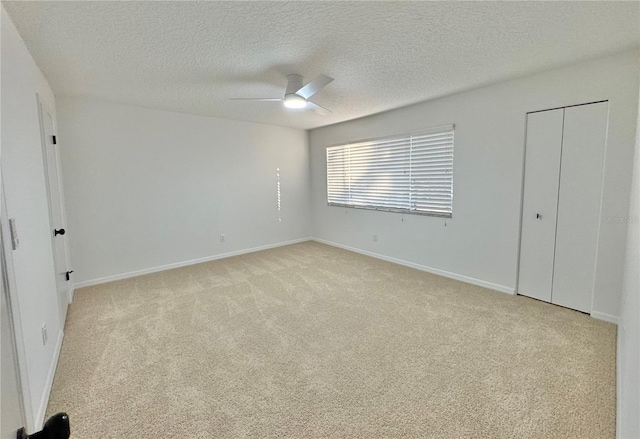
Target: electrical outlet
[
  {"x": 223, "y": 237},
  {"x": 375, "y": 238},
  {"x": 45, "y": 336}
]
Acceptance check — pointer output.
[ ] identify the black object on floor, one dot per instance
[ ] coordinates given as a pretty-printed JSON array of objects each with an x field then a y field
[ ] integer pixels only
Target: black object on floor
[{"x": 56, "y": 427}]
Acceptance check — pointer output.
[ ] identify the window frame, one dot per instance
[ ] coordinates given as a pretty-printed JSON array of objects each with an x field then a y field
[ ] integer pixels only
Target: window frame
[{"x": 398, "y": 137}]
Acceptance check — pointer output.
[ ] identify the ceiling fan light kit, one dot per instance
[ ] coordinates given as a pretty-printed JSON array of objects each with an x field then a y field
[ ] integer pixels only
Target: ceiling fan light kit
[
  {"x": 294, "y": 101},
  {"x": 297, "y": 96}
]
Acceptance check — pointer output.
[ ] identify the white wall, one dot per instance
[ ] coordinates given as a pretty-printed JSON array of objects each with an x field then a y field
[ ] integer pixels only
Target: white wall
[
  {"x": 147, "y": 188},
  {"x": 629, "y": 326},
  {"x": 480, "y": 242},
  {"x": 23, "y": 176}
]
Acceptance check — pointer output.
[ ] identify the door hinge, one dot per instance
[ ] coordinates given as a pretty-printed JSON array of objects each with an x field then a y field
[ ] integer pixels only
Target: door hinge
[
  {"x": 53, "y": 140},
  {"x": 68, "y": 275}
]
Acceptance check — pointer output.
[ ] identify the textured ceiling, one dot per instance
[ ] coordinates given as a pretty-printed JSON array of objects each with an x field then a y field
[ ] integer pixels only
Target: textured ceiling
[{"x": 193, "y": 56}]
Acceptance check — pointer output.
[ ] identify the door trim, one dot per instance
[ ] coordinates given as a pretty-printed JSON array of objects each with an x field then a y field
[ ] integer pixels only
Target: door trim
[
  {"x": 524, "y": 163},
  {"x": 568, "y": 106},
  {"x": 603, "y": 316}
]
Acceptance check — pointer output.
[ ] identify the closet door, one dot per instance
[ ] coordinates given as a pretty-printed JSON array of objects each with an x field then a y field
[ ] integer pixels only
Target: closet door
[
  {"x": 585, "y": 129},
  {"x": 540, "y": 202}
]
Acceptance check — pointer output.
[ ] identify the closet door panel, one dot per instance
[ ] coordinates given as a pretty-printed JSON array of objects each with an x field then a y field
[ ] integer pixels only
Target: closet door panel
[
  {"x": 581, "y": 170},
  {"x": 539, "y": 209}
]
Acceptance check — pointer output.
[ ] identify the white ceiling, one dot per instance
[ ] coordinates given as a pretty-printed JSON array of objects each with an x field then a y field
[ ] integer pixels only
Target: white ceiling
[{"x": 193, "y": 56}]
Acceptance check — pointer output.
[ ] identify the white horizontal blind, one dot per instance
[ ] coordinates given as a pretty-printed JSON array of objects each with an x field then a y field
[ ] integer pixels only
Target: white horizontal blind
[
  {"x": 432, "y": 173},
  {"x": 410, "y": 173}
]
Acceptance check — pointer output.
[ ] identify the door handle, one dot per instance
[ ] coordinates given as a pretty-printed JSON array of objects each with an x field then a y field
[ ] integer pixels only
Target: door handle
[
  {"x": 57, "y": 232},
  {"x": 538, "y": 216}
]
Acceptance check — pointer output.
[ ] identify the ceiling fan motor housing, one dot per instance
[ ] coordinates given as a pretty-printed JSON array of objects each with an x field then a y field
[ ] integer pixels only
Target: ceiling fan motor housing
[
  {"x": 291, "y": 99},
  {"x": 294, "y": 83}
]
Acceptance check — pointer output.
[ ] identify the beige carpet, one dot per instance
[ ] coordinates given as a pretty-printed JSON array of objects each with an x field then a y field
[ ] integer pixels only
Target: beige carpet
[{"x": 313, "y": 341}]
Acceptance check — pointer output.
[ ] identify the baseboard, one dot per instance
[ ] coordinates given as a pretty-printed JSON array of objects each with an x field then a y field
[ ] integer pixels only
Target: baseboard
[
  {"x": 619, "y": 372},
  {"x": 460, "y": 277},
  {"x": 44, "y": 401},
  {"x": 127, "y": 275},
  {"x": 606, "y": 317}
]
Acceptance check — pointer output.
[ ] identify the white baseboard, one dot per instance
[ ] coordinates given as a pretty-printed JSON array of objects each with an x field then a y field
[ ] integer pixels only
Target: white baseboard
[
  {"x": 44, "y": 401},
  {"x": 619, "y": 373},
  {"x": 102, "y": 280},
  {"x": 606, "y": 317},
  {"x": 460, "y": 277}
]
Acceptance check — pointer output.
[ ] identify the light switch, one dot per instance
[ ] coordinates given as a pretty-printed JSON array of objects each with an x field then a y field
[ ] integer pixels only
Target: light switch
[{"x": 15, "y": 242}]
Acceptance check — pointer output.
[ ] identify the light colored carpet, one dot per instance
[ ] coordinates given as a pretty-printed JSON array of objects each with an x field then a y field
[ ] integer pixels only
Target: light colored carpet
[{"x": 312, "y": 341}]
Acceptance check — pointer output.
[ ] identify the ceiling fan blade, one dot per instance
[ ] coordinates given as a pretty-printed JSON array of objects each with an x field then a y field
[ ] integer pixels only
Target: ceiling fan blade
[
  {"x": 257, "y": 99},
  {"x": 314, "y": 86},
  {"x": 318, "y": 109}
]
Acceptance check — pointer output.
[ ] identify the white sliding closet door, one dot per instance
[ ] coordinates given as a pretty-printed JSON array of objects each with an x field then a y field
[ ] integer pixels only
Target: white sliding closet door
[
  {"x": 585, "y": 130},
  {"x": 539, "y": 210}
]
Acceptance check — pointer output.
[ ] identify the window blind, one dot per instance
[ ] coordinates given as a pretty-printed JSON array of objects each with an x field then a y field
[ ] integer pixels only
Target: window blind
[{"x": 410, "y": 173}]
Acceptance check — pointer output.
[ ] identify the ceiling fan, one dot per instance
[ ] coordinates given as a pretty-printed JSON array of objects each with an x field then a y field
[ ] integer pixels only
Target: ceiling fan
[{"x": 297, "y": 95}]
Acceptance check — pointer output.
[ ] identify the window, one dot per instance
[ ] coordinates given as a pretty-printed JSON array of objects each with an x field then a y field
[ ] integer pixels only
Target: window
[{"x": 411, "y": 173}]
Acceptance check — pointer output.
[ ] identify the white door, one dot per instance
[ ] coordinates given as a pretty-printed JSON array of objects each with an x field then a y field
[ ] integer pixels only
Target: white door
[
  {"x": 540, "y": 202},
  {"x": 561, "y": 206},
  {"x": 10, "y": 403},
  {"x": 585, "y": 131},
  {"x": 56, "y": 216}
]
